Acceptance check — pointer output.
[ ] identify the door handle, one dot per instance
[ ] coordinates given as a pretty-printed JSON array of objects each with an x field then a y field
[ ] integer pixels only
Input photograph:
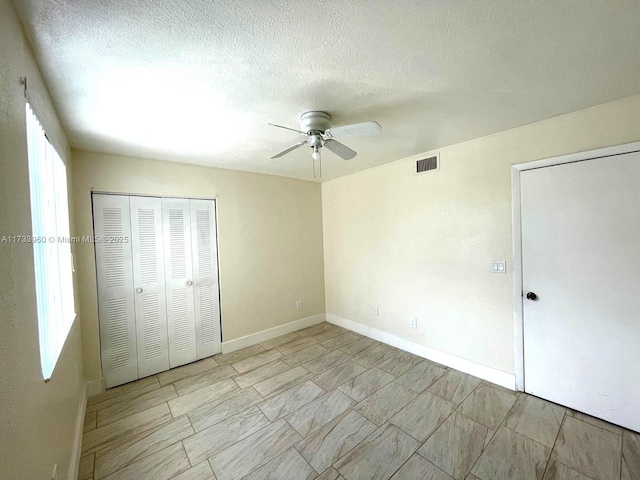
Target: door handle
[
  {"x": 139, "y": 290},
  {"x": 531, "y": 296},
  {"x": 189, "y": 283}
]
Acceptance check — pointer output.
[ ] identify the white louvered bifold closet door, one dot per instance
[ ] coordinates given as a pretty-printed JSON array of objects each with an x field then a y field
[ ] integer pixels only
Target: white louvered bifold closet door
[
  {"x": 205, "y": 277},
  {"x": 179, "y": 281},
  {"x": 148, "y": 276},
  {"x": 115, "y": 293}
]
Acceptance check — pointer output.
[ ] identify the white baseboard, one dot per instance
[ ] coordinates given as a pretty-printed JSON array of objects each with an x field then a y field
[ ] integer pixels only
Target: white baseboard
[
  {"x": 493, "y": 375},
  {"x": 95, "y": 387},
  {"x": 74, "y": 464},
  {"x": 254, "y": 338}
]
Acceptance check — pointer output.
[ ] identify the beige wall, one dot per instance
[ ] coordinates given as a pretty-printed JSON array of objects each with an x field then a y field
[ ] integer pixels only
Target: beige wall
[
  {"x": 37, "y": 419},
  {"x": 270, "y": 233},
  {"x": 422, "y": 245}
]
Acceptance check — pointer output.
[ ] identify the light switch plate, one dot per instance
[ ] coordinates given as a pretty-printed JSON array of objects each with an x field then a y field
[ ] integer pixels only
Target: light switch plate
[{"x": 499, "y": 266}]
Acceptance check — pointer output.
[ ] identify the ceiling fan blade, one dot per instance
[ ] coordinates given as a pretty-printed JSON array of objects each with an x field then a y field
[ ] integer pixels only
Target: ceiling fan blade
[
  {"x": 286, "y": 128},
  {"x": 339, "y": 149},
  {"x": 290, "y": 149},
  {"x": 365, "y": 128}
]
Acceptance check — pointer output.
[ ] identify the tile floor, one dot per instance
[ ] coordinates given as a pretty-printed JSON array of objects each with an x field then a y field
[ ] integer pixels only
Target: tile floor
[{"x": 325, "y": 403}]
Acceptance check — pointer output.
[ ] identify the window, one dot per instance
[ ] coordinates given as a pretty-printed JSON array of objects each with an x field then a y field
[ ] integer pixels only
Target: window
[{"x": 51, "y": 244}]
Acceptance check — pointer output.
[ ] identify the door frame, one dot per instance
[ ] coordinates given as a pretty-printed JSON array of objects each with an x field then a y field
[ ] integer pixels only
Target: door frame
[{"x": 516, "y": 170}]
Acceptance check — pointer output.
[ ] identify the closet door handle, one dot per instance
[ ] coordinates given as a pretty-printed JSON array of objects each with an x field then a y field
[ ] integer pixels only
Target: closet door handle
[
  {"x": 189, "y": 283},
  {"x": 139, "y": 290}
]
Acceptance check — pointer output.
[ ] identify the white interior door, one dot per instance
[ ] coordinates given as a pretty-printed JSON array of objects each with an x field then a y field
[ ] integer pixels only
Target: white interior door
[
  {"x": 205, "y": 277},
  {"x": 179, "y": 281},
  {"x": 581, "y": 258},
  {"x": 111, "y": 221},
  {"x": 148, "y": 277}
]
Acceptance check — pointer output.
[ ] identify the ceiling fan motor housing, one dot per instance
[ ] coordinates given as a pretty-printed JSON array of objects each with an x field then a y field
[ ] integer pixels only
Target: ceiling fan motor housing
[{"x": 315, "y": 122}]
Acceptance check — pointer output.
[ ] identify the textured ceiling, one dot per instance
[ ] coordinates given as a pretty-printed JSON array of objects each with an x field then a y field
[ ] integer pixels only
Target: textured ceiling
[{"x": 197, "y": 81}]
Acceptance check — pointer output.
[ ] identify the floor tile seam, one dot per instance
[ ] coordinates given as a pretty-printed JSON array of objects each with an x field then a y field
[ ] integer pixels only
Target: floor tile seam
[
  {"x": 148, "y": 433},
  {"x": 591, "y": 424},
  {"x": 321, "y": 372},
  {"x": 369, "y": 367},
  {"x": 237, "y": 414},
  {"x": 397, "y": 469},
  {"x": 93, "y": 470},
  {"x": 116, "y": 396},
  {"x": 426, "y": 388},
  {"x": 555, "y": 443},
  {"x": 140, "y": 459},
  {"x": 186, "y": 377},
  {"x": 96, "y": 406},
  {"x": 368, "y": 370},
  {"x": 446, "y": 400},
  {"x": 415, "y": 451},
  {"x": 274, "y": 348},
  {"x": 134, "y": 413},
  {"x": 476, "y": 421},
  {"x": 378, "y": 427},
  {"x": 196, "y": 376},
  {"x": 417, "y": 439},
  {"x": 133, "y": 433},
  {"x": 622, "y": 457},
  {"x": 431, "y": 463},
  {"x": 341, "y": 346},
  {"x": 207, "y": 459},
  {"x": 188, "y": 460},
  {"x": 237, "y": 384},
  {"x": 576, "y": 470},
  {"x": 263, "y": 412},
  {"x": 459, "y": 410},
  {"x": 208, "y": 386},
  {"x": 299, "y": 408},
  {"x": 268, "y": 460},
  {"x": 234, "y": 377},
  {"x": 320, "y": 387},
  {"x": 300, "y": 453},
  {"x": 294, "y": 428},
  {"x": 311, "y": 342},
  {"x": 484, "y": 444},
  {"x": 495, "y": 432}
]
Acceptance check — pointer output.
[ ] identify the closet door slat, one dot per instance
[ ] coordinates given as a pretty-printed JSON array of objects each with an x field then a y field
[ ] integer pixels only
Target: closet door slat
[{"x": 205, "y": 277}]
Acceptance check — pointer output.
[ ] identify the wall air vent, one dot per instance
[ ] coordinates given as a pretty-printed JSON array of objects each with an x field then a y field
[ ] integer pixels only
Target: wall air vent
[{"x": 427, "y": 164}]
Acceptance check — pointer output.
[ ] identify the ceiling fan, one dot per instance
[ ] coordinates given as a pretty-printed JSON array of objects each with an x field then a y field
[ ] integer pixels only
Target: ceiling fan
[{"x": 317, "y": 127}]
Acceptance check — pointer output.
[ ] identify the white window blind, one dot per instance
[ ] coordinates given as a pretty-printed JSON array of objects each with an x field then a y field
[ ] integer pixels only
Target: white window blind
[{"x": 51, "y": 244}]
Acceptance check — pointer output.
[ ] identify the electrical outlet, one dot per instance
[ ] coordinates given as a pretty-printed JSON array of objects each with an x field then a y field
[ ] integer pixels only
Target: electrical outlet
[
  {"x": 298, "y": 304},
  {"x": 413, "y": 322},
  {"x": 376, "y": 311}
]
